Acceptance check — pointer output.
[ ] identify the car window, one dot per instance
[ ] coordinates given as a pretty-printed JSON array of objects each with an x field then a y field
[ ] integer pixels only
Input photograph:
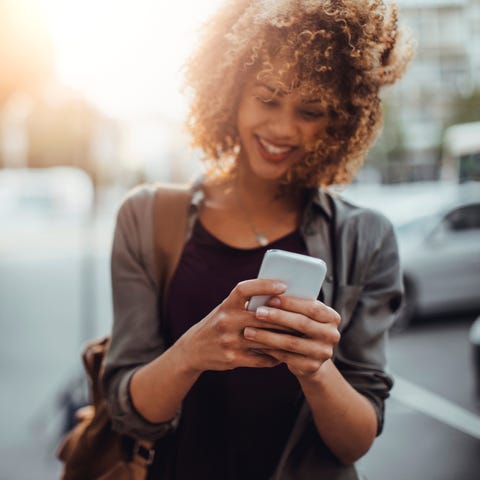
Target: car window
[
  {"x": 469, "y": 167},
  {"x": 464, "y": 218}
]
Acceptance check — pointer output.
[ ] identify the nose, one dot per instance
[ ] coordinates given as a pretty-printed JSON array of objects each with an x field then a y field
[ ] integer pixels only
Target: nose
[{"x": 283, "y": 126}]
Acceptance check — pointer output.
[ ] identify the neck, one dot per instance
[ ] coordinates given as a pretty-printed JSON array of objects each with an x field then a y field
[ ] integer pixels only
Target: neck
[
  {"x": 259, "y": 194},
  {"x": 251, "y": 206},
  {"x": 254, "y": 191}
]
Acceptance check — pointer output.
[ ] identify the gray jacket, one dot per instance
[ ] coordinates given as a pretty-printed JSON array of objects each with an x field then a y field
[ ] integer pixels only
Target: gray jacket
[{"x": 363, "y": 285}]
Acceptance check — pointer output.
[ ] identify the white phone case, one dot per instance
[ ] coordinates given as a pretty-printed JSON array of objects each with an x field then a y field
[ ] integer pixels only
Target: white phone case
[{"x": 302, "y": 274}]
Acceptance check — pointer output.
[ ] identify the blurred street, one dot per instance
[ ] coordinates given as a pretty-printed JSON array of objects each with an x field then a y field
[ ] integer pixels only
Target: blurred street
[
  {"x": 424, "y": 436},
  {"x": 54, "y": 295}
]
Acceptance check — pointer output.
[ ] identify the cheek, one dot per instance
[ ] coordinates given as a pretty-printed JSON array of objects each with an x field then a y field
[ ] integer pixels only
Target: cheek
[
  {"x": 244, "y": 118},
  {"x": 250, "y": 115}
]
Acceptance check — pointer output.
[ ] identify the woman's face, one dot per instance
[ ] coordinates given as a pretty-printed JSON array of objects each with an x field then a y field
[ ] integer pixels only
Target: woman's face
[{"x": 276, "y": 127}]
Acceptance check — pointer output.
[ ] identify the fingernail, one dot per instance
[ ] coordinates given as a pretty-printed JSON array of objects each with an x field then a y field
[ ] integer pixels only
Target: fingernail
[
  {"x": 280, "y": 286},
  {"x": 274, "y": 302},
  {"x": 249, "y": 332},
  {"x": 262, "y": 312}
]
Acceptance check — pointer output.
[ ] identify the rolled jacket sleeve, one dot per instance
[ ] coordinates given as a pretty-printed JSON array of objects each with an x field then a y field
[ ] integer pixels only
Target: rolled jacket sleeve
[
  {"x": 368, "y": 306},
  {"x": 136, "y": 336}
]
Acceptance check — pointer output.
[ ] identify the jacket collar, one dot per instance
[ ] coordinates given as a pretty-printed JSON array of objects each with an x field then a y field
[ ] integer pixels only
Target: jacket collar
[{"x": 316, "y": 199}]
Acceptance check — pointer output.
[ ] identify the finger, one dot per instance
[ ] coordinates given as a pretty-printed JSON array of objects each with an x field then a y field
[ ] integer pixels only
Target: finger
[
  {"x": 236, "y": 320},
  {"x": 302, "y": 324},
  {"x": 313, "y": 309},
  {"x": 298, "y": 364},
  {"x": 257, "y": 359},
  {"x": 248, "y": 345},
  {"x": 243, "y": 291},
  {"x": 307, "y": 347},
  {"x": 273, "y": 326},
  {"x": 275, "y": 318},
  {"x": 230, "y": 326}
]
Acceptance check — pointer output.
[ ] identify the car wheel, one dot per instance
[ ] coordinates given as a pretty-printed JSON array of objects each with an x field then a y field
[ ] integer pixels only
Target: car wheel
[{"x": 408, "y": 309}]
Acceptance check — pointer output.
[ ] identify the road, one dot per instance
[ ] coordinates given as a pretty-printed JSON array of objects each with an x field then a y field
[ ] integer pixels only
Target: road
[
  {"x": 54, "y": 294},
  {"x": 432, "y": 429}
]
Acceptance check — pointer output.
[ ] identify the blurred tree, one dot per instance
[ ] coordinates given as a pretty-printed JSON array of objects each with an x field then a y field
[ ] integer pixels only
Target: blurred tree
[
  {"x": 465, "y": 109},
  {"x": 68, "y": 130},
  {"x": 59, "y": 133},
  {"x": 26, "y": 53},
  {"x": 389, "y": 154}
]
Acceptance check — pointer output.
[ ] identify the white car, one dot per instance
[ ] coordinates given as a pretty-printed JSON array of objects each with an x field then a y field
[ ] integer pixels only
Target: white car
[
  {"x": 440, "y": 256},
  {"x": 438, "y": 232}
]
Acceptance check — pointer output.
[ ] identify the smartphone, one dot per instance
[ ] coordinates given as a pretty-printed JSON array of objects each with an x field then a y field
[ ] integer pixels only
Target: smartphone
[{"x": 302, "y": 274}]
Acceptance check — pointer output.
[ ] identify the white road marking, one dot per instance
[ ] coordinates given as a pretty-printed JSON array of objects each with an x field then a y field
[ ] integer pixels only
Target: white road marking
[{"x": 436, "y": 407}]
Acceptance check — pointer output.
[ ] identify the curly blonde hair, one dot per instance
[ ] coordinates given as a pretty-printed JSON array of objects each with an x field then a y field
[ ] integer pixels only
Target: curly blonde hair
[{"x": 343, "y": 49}]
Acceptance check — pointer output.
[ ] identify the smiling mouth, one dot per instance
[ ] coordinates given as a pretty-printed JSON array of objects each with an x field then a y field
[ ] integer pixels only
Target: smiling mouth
[{"x": 272, "y": 151}]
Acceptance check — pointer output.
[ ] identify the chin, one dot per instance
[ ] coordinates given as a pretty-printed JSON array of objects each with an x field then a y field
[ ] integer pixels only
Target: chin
[{"x": 270, "y": 174}]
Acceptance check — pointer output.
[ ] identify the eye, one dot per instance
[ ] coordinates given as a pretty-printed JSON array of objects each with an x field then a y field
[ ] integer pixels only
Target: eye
[
  {"x": 312, "y": 114},
  {"x": 268, "y": 101}
]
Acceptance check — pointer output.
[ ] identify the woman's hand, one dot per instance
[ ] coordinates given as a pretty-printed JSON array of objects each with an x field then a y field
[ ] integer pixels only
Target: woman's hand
[
  {"x": 316, "y": 324},
  {"x": 217, "y": 342}
]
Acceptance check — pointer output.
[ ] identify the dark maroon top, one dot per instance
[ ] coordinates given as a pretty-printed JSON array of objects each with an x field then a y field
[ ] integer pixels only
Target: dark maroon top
[{"x": 234, "y": 424}]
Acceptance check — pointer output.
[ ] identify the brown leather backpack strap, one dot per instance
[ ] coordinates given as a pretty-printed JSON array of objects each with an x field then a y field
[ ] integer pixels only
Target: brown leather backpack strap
[
  {"x": 93, "y": 357},
  {"x": 172, "y": 204}
]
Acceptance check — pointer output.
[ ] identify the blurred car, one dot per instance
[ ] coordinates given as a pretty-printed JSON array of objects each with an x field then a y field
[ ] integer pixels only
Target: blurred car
[
  {"x": 38, "y": 194},
  {"x": 44, "y": 211},
  {"x": 440, "y": 256}
]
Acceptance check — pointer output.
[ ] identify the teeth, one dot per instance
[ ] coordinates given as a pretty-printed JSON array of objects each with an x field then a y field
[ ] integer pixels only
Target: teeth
[{"x": 274, "y": 149}]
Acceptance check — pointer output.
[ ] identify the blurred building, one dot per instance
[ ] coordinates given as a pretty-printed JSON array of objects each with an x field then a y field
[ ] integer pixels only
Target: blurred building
[
  {"x": 44, "y": 123},
  {"x": 446, "y": 68},
  {"x": 57, "y": 127}
]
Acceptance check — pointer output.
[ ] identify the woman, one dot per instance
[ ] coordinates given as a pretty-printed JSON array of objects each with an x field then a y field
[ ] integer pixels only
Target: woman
[{"x": 284, "y": 100}]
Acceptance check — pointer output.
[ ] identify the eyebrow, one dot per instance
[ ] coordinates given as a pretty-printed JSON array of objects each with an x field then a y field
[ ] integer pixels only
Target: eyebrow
[
  {"x": 271, "y": 89},
  {"x": 281, "y": 93},
  {"x": 312, "y": 100}
]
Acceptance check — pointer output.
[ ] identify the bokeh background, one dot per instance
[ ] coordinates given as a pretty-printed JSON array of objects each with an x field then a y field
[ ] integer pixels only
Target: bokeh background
[{"x": 90, "y": 105}]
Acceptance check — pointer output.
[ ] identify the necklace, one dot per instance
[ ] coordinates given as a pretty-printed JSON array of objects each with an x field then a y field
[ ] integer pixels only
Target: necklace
[{"x": 262, "y": 239}]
